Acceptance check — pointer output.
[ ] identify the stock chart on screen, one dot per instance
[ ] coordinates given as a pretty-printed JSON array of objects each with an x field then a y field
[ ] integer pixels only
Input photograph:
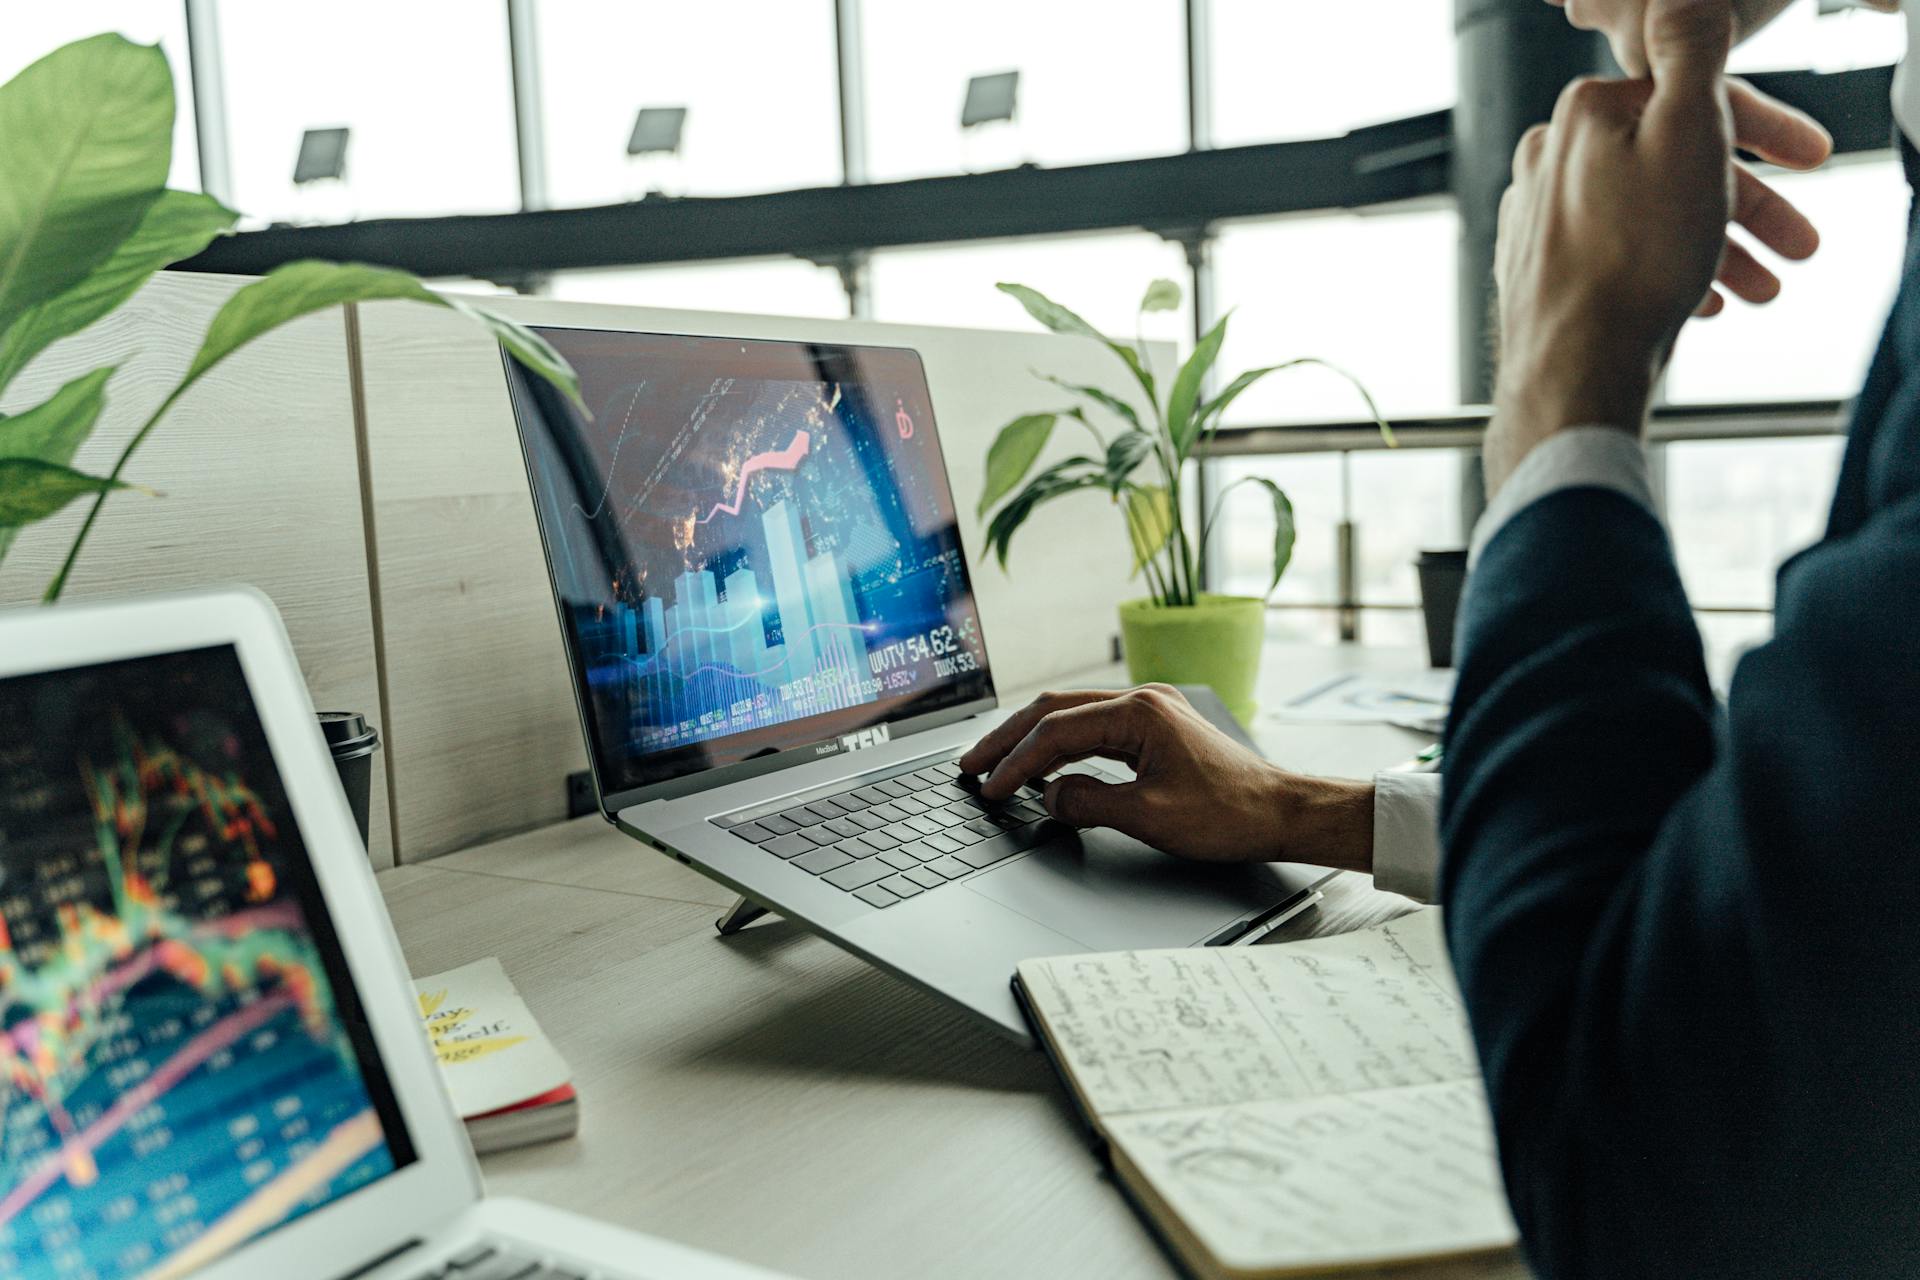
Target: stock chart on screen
[
  {"x": 754, "y": 544},
  {"x": 182, "y": 1061}
]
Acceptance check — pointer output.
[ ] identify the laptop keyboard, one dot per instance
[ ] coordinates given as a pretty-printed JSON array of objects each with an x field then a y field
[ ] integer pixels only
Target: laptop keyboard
[
  {"x": 889, "y": 840},
  {"x": 499, "y": 1262}
]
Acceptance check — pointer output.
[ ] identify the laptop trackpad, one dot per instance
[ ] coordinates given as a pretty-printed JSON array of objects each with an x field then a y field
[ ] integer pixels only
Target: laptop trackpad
[{"x": 1111, "y": 893}]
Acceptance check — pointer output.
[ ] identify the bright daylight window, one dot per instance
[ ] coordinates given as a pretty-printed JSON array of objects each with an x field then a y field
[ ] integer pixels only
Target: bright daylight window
[
  {"x": 1815, "y": 339},
  {"x": 1374, "y": 293},
  {"x": 1100, "y": 276},
  {"x": 1095, "y": 84},
  {"x": 28, "y": 32},
  {"x": 1298, "y": 70},
  {"x": 758, "y": 78},
  {"x": 429, "y": 102}
]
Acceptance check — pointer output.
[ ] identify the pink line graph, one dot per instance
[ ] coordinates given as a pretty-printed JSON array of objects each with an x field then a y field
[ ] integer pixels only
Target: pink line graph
[
  {"x": 227, "y": 1031},
  {"x": 787, "y": 459}
]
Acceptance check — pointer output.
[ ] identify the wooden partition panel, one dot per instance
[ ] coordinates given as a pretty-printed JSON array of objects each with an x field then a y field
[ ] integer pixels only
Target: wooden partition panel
[
  {"x": 259, "y": 483},
  {"x": 482, "y": 726}
]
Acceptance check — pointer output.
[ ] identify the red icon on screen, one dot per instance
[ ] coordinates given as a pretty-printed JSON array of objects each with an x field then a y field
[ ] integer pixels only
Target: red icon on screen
[{"x": 902, "y": 420}]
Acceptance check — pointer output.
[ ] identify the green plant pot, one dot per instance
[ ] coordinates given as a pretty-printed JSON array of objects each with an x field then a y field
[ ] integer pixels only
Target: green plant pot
[{"x": 1215, "y": 643}]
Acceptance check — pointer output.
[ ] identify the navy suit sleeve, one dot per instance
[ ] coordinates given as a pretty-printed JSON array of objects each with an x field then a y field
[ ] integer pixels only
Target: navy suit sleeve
[{"x": 1683, "y": 938}]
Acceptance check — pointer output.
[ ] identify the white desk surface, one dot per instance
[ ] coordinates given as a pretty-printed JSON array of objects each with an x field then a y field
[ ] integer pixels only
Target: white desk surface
[{"x": 769, "y": 1097}]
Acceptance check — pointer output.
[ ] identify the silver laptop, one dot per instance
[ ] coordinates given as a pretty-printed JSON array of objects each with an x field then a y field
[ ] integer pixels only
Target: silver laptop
[
  {"x": 211, "y": 1058},
  {"x": 777, "y": 659}
]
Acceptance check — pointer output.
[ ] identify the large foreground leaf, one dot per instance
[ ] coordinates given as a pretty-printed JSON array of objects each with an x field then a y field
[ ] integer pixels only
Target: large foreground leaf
[
  {"x": 177, "y": 225},
  {"x": 285, "y": 294},
  {"x": 301, "y": 288},
  {"x": 53, "y": 430},
  {"x": 86, "y": 135},
  {"x": 33, "y": 490}
]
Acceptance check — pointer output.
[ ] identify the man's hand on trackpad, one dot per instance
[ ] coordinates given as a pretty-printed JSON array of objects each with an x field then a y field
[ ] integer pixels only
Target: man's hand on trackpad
[{"x": 1197, "y": 793}]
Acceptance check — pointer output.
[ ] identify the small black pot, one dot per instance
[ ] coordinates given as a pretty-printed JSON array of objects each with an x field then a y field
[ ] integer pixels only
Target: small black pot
[
  {"x": 352, "y": 741},
  {"x": 1443, "y": 576}
]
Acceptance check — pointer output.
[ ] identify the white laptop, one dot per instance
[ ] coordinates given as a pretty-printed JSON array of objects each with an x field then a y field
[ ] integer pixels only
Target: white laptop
[
  {"x": 769, "y": 615},
  {"x": 211, "y": 1058}
]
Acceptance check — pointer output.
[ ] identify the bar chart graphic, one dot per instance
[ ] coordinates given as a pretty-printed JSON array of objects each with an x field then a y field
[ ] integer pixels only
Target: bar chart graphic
[{"x": 703, "y": 665}]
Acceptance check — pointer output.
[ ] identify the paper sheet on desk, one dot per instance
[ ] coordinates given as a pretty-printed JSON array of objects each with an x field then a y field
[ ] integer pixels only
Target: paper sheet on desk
[{"x": 1410, "y": 698}]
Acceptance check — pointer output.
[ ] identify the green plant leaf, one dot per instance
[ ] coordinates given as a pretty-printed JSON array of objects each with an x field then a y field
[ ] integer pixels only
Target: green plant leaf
[
  {"x": 1283, "y": 528},
  {"x": 53, "y": 430},
  {"x": 300, "y": 288},
  {"x": 287, "y": 293},
  {"x": 86, "y": 135},
  {"x": 1211, "y": 412},
  {"x": 1064, "y": 477},
  {"x": 1161, "y": 295},
  {"x": 1125, "y": 455},
  {"x": 177, "y": 225},
  {"x": 1013, "y": 453},
  {"x": 1060, "y": 320},
  {"x": 31, "y": 489},
  {"x": 1183, "y": 422},
  {"x": 1106, "y": 400},
  {"x": 1149, "y": 521}
]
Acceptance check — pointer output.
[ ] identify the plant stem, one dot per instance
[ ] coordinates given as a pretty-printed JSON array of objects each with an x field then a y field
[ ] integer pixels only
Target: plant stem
[{"x": 59, "y": 582}]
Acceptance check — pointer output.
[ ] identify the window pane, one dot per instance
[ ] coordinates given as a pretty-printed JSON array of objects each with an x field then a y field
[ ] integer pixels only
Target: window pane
[
  {"x": 1801, "y": 38},
  {"x": 1404, "y": 502},
  {"x": 425, "y": 87},
  {"x": 772, "y": 286},
  {"x": 759, "y": 80},
  {"x": 28, "y": 32},
  {"x": 1094, "y": 84},
  {"x": 1738, "y": 508},
  {"x": 1815, "y": 340},
  {"x": 1100, "y": 276},
  {"x": 1374, "y": 294},
  {"x": 1296, "y": 70},
  {"x": 1243, "y": 540}
]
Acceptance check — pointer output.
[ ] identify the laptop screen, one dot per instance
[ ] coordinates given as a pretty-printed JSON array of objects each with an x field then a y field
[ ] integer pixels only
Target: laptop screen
[
  {"x": 753, "y": 545},
  {"x": 184, "y": 1064}
]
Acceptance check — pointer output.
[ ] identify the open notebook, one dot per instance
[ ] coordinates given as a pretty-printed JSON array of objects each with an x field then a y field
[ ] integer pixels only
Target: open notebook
[{"x": 1286, "y": 1109}]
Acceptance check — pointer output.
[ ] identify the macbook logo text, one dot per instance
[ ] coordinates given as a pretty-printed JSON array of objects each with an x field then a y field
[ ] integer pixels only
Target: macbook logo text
[{"x": 874, "y": 737}]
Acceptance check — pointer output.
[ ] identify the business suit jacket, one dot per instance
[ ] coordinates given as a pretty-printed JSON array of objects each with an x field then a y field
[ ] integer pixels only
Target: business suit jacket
[{"x": 1688, "y": 940}]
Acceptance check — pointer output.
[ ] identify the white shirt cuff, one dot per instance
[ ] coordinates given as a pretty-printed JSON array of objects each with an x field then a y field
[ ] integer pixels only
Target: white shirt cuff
[
  {"x": 1406, "y": 833},
  {"x": 1578, "y": 458}
]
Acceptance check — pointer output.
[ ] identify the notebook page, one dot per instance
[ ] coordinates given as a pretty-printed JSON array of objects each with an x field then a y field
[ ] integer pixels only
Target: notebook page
[
  {"x": 1323, "y": 1181},
  {"x": 1155, "y": 1030}
]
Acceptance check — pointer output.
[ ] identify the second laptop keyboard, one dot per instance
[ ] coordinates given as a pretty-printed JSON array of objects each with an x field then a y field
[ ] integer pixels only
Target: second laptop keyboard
[{"x": 896, "y": 838}]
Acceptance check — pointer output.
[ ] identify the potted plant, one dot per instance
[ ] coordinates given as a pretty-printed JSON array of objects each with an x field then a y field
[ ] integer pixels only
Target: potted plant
[
  {"x": 1179, "y": 632},
  {"x": 86, "y": 138}
]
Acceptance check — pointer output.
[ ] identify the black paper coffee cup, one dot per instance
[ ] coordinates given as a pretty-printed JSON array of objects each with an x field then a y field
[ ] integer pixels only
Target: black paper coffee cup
[
  {"x": 1443, "y": 576},
  {"x": 352, "y": 741}
]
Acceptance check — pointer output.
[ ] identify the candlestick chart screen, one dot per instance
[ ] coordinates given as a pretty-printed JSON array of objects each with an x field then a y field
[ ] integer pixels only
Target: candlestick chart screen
[
  {"x": 184, "y": 1064},
  {"x": 754, "y": 546}
]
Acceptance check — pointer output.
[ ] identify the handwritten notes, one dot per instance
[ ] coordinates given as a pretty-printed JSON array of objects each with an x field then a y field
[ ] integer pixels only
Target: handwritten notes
[
  {"x": 1293, "y": 1105},
  {"x": 492, "y": 1053},
  {"x": 1145, "y": 1030},
  {"x": 1407, "y": 1172}
]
